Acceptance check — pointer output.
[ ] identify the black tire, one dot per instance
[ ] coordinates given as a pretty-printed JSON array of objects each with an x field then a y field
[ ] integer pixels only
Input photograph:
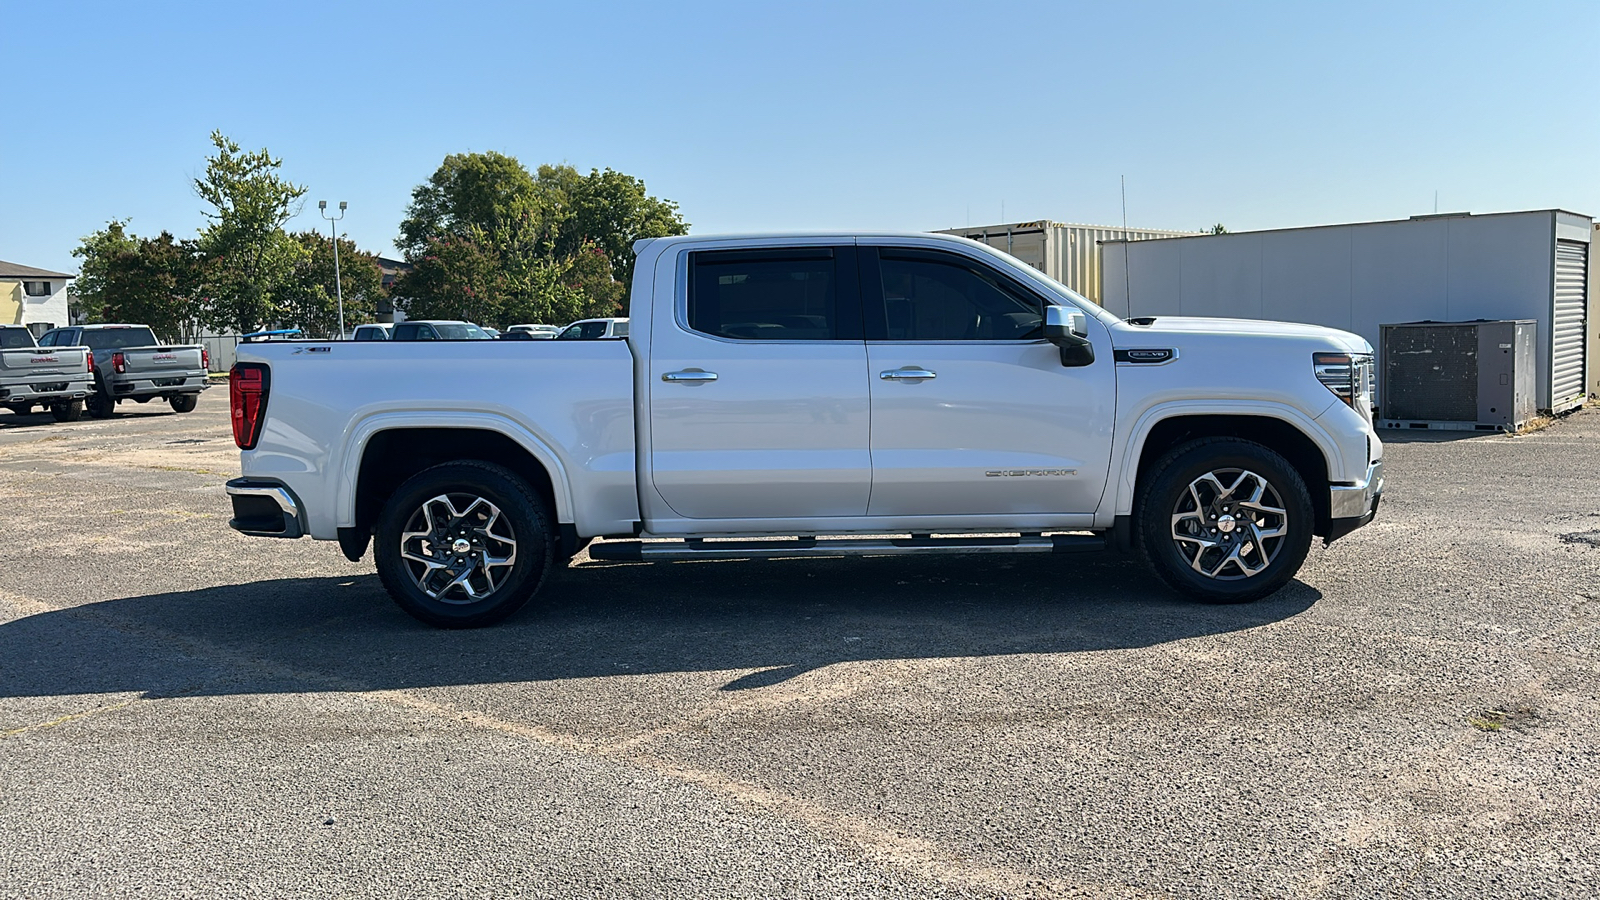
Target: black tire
[
  {"x": 70, "y": 411},
  {"x": 183, "y": 402},
  {"x": 1182, "y": 561},
  {"x": 100, "y": 406},
  {"x": 21, "y": 409},
  {"x": 465, "y": 485}
]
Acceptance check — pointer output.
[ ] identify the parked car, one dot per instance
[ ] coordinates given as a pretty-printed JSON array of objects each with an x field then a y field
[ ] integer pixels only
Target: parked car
[
  {"x": 948, "y": 399},
  {"x": 379, "y": 331},
  {"x": 594, "y": 330},
  {"x": 130, "y": 365},
  {"x": 491, "y": 332},
  {"x": 537, "y": 332},
  {"x": 437, "y": 330},
  {"x": 55, "y": 377}
]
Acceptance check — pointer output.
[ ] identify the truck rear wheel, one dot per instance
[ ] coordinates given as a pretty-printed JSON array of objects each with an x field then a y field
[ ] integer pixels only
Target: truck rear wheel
[
  {"x": 100, "y": 406},
  {"x": 1225, "y": 520},
  {"x": 70, "y": 411},
  {"x": 183, "y": 402},
  {"x": 464, "y": 544},
  {"x": 21, "y": 409}
]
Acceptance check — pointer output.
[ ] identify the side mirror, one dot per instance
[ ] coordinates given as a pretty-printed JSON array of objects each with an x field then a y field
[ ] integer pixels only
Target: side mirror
[{"x": 1069, "y": 329}]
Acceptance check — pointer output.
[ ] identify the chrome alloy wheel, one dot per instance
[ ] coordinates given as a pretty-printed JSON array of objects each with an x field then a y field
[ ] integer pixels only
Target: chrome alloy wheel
[
  {"x": 458, "y": 548},
  {"x": 1229, "y": 524}
]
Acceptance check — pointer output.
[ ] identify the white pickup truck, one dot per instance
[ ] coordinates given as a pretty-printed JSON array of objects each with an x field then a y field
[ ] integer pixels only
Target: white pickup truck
[
  {"x": 55, "y": 377},
  {"x": 815, "y": 395}
]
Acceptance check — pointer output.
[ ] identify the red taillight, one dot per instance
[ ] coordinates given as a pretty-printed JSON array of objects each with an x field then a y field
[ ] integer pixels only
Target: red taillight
[
  {"x": 119, "y": 362},
  {"x": 247, "y": 398},
  {"x": 205, "y": 359},
  {"x": 90, "y": 355}
]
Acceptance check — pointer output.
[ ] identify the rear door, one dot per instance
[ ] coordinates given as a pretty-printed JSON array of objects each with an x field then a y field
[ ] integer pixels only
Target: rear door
[
  {"x": 972, "y": 412},
  {"x": 758, "y": 387}
]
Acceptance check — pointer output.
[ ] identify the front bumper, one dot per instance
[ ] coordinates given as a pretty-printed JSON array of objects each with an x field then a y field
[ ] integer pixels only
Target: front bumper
[
  {"x": 1352, "y": 506},
  {"x": 264, "y": 508}
]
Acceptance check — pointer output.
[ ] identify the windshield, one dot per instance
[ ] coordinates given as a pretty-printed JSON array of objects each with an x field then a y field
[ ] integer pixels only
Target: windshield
[
  {"x": 13, "y": 338},
  {"x": 117, "y": 338}
]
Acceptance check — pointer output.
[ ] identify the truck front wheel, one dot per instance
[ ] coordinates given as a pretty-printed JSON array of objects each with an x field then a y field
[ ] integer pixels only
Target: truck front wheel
[
  {"x": 100, "y": 406},
  {"x": 70, "y": 411},
  {"x": 464, "y": 544},
  {"x": 1225, "y": 520}
]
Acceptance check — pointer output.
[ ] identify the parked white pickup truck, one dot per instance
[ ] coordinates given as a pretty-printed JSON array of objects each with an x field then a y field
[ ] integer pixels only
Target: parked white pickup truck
[
  {"x": 55, "y": 377},
  {"x": 815, "y": 395}
]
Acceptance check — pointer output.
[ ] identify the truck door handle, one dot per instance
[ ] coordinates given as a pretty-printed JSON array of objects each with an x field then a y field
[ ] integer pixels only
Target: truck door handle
[
  {"x": 908, "y": 373},
  {"x": 688, "y": 376}
]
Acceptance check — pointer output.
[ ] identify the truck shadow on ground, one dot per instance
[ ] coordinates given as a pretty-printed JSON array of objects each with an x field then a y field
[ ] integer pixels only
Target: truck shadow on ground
[{"x": 779, "y": 618}]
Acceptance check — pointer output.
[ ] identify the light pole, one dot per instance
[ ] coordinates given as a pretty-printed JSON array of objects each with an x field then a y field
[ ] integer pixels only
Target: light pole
[{"x": 338, "y": 285}]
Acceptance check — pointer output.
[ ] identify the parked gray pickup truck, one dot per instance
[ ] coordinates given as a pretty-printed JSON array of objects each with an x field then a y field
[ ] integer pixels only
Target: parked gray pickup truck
[
  {"x": 56, "y": 377},
  {"x": 130, "y": 365}
]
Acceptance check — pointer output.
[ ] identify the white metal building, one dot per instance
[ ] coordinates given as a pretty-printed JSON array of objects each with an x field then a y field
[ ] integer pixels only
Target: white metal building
[
  {"x": 1446, "y": 268},
  {"x": 1068, "y": 253}
]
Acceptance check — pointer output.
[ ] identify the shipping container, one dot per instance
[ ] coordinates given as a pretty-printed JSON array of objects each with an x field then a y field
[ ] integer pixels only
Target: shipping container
[
  {"x": 1442, "y": 268},
  {"x": 1068, "y": 253}
]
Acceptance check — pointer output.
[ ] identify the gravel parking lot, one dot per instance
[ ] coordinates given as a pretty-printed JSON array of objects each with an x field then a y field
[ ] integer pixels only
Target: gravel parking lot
[{"x": 188, "y": 712}]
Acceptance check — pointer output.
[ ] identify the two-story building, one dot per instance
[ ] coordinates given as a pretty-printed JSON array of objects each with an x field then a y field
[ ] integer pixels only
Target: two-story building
[{"x": 33, "y": 297}]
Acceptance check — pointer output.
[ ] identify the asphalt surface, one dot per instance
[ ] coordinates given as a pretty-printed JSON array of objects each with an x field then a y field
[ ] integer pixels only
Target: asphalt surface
[{"x": 189, "y": 712}]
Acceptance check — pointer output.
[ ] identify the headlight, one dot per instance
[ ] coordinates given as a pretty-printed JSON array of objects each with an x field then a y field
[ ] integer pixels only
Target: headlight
[{"x": 1349, "y": 376}]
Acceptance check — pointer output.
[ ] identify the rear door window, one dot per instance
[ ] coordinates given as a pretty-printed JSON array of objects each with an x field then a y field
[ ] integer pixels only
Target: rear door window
[{"x": 791, "y": 294}]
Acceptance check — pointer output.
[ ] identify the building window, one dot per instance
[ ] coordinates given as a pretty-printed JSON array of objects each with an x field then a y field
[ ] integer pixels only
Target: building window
[{"x": 36, "y": 288}]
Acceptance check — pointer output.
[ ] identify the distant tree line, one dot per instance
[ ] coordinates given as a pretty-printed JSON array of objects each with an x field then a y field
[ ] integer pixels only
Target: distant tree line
[{"x": 488, "y": 242}]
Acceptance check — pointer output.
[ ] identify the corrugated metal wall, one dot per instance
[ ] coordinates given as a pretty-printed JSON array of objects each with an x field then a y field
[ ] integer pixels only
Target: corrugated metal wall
[
  {"x": 1568, "y": 348},
  {"x": 1068, "y": 253}
]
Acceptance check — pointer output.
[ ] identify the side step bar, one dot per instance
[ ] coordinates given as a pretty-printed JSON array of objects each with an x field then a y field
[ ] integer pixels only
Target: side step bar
[{"x": 700, "y": 548}]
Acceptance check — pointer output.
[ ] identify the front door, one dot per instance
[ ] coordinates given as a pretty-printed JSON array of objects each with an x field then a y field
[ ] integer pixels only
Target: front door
[
  {"x": 758, "y": 388},
  {"x": 972, "y": 411}
]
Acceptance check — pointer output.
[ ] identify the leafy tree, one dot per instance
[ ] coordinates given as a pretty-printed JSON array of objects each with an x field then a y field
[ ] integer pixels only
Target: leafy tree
[
  {"x": 157, "y": 282},
  {"x": 250, "y": 255},
  {"x": 98, "y": 251},
  {"x": 309, "y": 297},
  {"x": 609, "y": 210},
  {"x": 496, "y": 245},
  {"x": 469, "y": 190},
  {"x": 1219, "y": 228}
]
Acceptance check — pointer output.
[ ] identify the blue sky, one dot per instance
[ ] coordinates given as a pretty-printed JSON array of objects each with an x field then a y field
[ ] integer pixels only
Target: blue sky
[{"x": 791, "y": 116}]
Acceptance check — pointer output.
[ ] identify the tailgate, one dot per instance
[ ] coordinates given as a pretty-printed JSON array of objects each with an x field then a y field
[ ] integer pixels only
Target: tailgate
[
  {"x": 156, "y": 361},
  {"x": 29, "y": 363}
]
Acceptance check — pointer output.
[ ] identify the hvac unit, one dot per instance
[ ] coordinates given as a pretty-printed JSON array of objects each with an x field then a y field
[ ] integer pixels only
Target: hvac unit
[{"x": 1461, "y": 375}]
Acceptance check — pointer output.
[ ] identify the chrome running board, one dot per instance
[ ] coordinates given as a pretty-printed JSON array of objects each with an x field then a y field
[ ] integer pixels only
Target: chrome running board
[{"x": 702, "y": 548}]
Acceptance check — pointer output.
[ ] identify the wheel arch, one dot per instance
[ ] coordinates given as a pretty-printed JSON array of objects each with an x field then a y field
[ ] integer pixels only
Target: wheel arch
[
  {"x": 384, "y": 452},
  {"x": 1309, "y": 449}
]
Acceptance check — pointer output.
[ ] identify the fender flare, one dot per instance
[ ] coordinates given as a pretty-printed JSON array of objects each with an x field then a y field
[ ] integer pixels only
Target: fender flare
[
  {"x": 1133, "y": 448},
  {"x": 362, "y": 428}
]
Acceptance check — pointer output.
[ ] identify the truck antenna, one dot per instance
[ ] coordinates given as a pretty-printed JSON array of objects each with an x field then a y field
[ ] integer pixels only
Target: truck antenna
[{"x": 1127, "y": 277}]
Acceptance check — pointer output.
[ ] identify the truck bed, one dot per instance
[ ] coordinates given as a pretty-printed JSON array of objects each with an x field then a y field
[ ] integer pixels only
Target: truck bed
[{"x": 568, "y": 402}]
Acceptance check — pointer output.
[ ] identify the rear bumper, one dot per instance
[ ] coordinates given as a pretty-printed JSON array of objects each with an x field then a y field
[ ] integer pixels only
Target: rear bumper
[
  {"x": 1352, "y": 506},
  {"x": 264, "y": 508},
  {"x": 185, "y": 383},
  {"x": 74, "y": 389}
]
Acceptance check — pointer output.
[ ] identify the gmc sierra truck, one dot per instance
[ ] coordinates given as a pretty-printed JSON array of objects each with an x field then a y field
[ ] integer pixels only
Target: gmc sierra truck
[
  {"x": 55, "y": 377},
  {"x": 815, "y": 395},
  {"x": 130, "y": 365}
]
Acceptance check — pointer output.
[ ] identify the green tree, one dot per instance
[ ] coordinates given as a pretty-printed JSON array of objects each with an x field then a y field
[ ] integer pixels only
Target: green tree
[
  {"x": 609, "y": 210},
  {"x": 468, "y": 191},
  {"x": 158, "y": 282},
  {"x": 308, "y": 297},
  {"x": 1219, "y": 228},
  {"x": 87, "y": 293},
  {"x": 496, "y": 245},
  {"x": 250, "y": 255}
]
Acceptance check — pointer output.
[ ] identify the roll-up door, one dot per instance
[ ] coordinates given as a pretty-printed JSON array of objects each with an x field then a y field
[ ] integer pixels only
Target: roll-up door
[{"x": 1567, "y": 332}]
